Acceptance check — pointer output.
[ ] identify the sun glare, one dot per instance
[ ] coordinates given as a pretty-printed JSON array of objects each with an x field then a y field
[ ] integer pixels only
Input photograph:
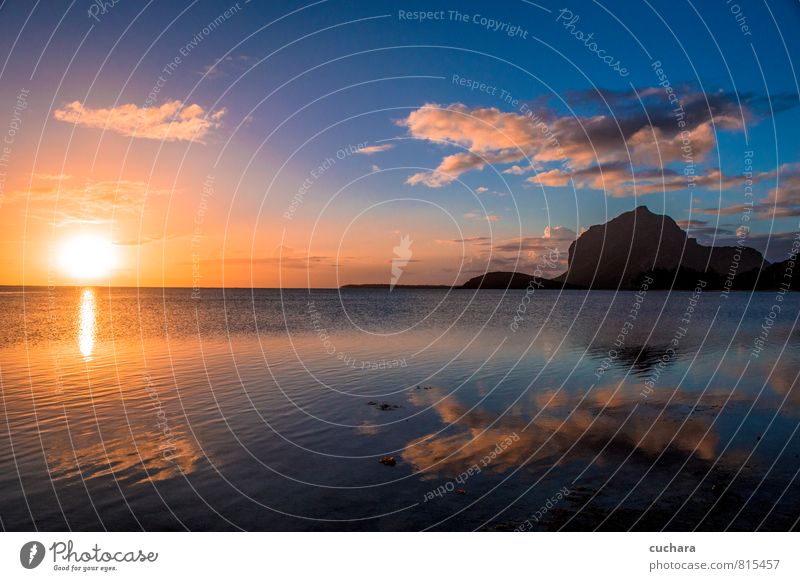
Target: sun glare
[{"x": 87, "y": 257}]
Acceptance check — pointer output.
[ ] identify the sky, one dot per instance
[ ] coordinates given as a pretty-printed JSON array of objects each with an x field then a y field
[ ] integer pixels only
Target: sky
[{"x": 317, "y": 144}]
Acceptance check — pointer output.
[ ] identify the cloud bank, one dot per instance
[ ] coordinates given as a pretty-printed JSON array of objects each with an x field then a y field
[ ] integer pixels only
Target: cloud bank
[
  {"x": 173, "y": 121},
  {"x": 636, "y": 145}
]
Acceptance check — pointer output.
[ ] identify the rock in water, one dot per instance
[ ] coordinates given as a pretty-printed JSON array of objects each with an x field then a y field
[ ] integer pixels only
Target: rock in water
[{"x": 616, "y": 253}]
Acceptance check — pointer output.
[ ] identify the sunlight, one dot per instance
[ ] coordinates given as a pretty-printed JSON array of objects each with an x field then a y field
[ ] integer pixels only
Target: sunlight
[
  {"x": 86, "y": 322},
  {"x": 87, "y": 257}
]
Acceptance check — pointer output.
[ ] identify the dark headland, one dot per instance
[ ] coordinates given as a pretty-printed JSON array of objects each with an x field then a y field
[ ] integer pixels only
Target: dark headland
[{"x": 636, "y": 245}]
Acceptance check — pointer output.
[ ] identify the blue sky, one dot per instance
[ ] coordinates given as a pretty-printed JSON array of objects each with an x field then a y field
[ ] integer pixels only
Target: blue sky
[{"x": 292, "y": 84}]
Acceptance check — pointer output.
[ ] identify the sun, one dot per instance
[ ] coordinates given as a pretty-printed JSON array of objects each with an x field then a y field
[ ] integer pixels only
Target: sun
[{"x": 87, "y": 257}]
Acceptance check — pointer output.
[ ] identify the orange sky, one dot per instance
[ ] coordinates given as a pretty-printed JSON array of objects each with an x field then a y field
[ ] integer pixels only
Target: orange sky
[
  {"x": 175, "y": 229},
  {"x": 174, "y": 222}
]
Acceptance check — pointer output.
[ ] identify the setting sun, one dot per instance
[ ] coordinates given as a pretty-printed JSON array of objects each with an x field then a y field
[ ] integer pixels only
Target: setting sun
[{"x": 87, "y": 257}]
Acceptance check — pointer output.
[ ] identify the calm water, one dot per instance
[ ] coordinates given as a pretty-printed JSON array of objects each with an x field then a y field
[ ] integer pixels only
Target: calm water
[{"x": 271, "y": 410}]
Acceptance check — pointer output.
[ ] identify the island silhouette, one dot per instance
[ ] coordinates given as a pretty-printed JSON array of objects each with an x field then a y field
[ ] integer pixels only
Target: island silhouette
[{"x": 639, "y": 246}]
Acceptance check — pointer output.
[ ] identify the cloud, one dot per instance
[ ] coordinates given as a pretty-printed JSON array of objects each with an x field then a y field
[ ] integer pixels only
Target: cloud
[
  {"x": 551, "y": 237},
  {"x": 724, "y": 211},
  {"x": 292, "y": 262},
  {"x": 548, "y": 253},
  {"x": 144, "y": 240},
  {"x": 620, "y": 179},
  {"x": 284, "y": 257},
  {"x": 784, "y": 198},
  {"x": 558, "y": 233},
  {"x": 594, "y": 147},
  {"x": 480, "y": 216},
  {"x": 468, "y": 240},
  {"x": 92, "y": 202},
  {"x": 685, "y": 224},
  {"x": 481, "y": 190},
  {"x": 490, "y": 136},
  {"x": 373, "y": 149},
  {"x": 781, "y": 201},
  {"x": 219, "y": 68},
  {"x": 722, "y": 106},
  {"x": 51, "y": 177},
  {"x": 286, "y": 261},
  {"x": 173, "y": 121},
  {"x": 450, "y": 168},
  {"x": 518, "y": 170},
  {"x": 703, "y": 229}
]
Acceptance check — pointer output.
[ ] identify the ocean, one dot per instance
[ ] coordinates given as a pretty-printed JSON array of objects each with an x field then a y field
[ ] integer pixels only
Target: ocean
[{"x": 364, "y": 409}]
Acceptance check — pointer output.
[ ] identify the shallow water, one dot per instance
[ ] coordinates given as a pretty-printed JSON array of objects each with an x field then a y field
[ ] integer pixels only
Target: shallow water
[{"x": 130, "y": 409}]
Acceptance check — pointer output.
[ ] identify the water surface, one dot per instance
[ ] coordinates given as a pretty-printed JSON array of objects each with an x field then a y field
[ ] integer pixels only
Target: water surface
[{"x": 129, "y": 409}]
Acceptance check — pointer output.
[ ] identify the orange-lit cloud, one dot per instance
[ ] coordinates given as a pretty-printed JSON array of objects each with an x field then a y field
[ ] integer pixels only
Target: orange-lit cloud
[
  {"x": 598, "y": 151},
  {"x": 54, "y": 177},
  {"x": 173, "y": 121},
  {"x": 371, "y": 149},
  {"x": 619, "y": 179},
  {"x": 781, "y": 201},
  {"x": 450, "y": 168},
  {"x": 92, "y": 201}
]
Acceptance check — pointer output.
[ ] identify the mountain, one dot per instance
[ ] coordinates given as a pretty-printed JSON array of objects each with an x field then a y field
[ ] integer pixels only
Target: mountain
[
  {"x": 639, "y": 243},
  {"x": 619, "y": 252},
  {"x": 776, "y": 275}
]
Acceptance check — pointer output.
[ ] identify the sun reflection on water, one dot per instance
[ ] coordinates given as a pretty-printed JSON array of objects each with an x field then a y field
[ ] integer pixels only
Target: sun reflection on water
[{"x": 86, "y": 321}]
